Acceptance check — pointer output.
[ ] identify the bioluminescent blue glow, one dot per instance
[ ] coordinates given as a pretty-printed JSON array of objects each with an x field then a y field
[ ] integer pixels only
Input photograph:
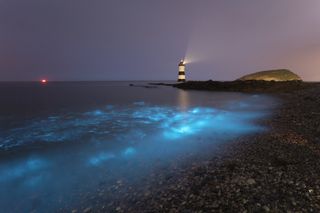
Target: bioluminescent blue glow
[
  {"x": 18, "y": 170},
  {"x": 101, "y": 157},
  {"x": 105, "y": 123},
  {"x": 128, "y": 152},
  {"x": 113, "y": 142}
]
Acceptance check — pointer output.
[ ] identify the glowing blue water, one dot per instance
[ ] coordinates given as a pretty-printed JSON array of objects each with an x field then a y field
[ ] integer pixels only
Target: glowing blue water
[{"x": 70, "y": 151}]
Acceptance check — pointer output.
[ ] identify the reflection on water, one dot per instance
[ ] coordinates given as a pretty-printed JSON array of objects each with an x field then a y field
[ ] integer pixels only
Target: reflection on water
[
  {"x": 113, "y": 141},
  {"x": 183, "y": 99}
]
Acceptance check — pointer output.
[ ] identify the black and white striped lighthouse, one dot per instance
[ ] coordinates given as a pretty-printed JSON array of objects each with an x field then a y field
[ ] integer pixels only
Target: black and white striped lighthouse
[{"x": 182, "y": 69}]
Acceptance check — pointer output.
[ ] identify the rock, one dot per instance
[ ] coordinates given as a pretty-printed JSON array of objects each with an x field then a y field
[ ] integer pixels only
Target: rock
[
  {"x": 147, "y": 194},
  {"x": 244, "y": 201},
  {"x": 259, "y": 86},
  {"x": 266, "y": 208},
  {"x": 87, "y": 210},
  {"x": 251, "y": 181}
]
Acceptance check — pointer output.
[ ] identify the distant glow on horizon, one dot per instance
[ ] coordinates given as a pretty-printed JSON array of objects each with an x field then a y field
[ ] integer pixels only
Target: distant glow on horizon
[{"x": 44, "y": 81}]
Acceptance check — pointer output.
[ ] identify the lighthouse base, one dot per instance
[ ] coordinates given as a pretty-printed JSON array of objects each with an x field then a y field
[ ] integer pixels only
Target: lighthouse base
[{"x": 181, "y": 80}]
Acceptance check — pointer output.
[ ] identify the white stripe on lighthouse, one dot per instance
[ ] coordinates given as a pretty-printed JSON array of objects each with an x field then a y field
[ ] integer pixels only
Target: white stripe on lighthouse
[{"x": 182, "y": 77}]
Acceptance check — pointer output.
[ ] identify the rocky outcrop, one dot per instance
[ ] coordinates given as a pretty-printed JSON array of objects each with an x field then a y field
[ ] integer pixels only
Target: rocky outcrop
[{"x": 250, "y": 86}]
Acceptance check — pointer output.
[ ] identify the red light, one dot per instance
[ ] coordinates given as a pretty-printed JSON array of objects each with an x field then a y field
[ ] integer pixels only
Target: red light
[{"x": 44, "y": 81}]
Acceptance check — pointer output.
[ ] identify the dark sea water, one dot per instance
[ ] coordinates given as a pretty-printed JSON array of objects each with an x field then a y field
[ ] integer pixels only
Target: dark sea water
[{"x": 60, "y": 140}]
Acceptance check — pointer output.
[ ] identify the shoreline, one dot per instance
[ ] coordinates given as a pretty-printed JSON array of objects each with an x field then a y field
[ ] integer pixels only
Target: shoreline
[
  {"x": 276, "y": 171},
  {"x": 250, "y": 86}
]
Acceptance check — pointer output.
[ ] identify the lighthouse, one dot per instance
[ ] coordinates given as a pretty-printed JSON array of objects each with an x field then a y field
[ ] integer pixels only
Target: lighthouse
[{"x": 182, "y": 69}]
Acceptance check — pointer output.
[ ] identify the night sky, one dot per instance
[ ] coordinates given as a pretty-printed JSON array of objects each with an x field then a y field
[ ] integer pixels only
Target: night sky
[{"x": 145, "y": 39}]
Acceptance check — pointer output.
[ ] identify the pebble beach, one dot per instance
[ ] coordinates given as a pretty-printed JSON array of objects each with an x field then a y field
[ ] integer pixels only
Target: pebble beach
[{"x": 274, "y": 171}]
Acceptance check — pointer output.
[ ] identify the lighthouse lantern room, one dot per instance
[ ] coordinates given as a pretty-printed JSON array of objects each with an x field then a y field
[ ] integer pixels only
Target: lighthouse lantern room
[{"x": 182, "y": 69}]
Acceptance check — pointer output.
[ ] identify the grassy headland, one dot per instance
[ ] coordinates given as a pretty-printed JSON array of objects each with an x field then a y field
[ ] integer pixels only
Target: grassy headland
[{"x": 276, "y": 75}]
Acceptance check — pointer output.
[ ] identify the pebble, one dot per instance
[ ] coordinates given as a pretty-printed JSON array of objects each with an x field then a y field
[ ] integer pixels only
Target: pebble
[
  {"x": 87, "y": 210},
  {"x": 266, "y": 208},
  {"x": 251, "y": 181}
]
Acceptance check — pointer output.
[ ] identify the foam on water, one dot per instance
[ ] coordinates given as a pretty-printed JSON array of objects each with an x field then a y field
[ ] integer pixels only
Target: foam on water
[{"x": 101, "y": 123}]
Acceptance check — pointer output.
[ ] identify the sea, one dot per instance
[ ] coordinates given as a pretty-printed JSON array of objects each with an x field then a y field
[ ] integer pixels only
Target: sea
[{"x": 61, "y": 140}]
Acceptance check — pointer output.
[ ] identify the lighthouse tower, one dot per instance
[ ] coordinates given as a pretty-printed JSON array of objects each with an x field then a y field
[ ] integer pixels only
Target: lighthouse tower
[{"x": 182, "y": 69}]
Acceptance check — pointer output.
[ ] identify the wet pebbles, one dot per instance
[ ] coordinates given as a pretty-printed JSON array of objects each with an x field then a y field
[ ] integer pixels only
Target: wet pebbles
[{"x": 276, "y": 171}]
